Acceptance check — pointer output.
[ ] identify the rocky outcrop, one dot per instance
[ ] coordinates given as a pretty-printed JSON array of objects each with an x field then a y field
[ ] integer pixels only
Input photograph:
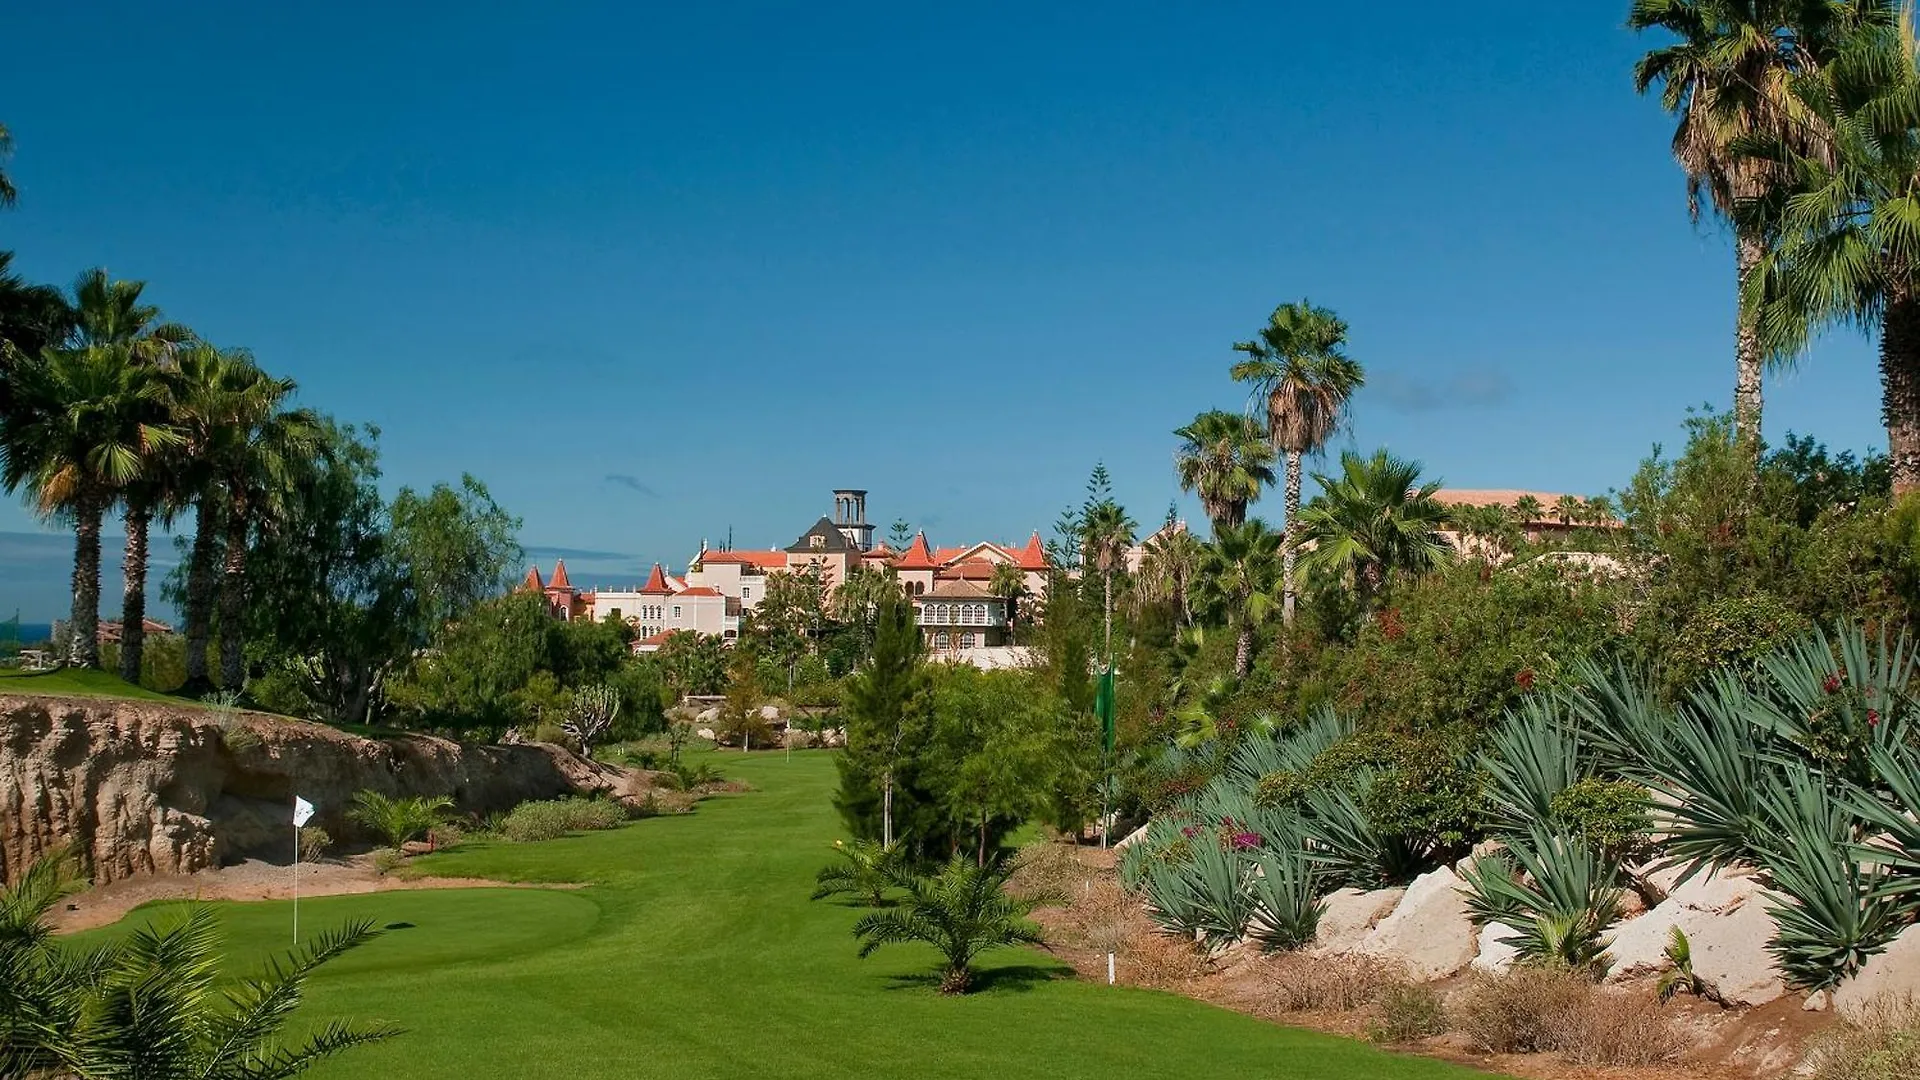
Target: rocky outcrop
[
  {"x": 1894, "y": 973},
  {"x": 1496, "y": 954},
  {"x": 1429, "y": 930},
  {"x": 1724, "y": 916},
  {"x": 143, "y": 787},
  {"x": 1351, "y": 915}
]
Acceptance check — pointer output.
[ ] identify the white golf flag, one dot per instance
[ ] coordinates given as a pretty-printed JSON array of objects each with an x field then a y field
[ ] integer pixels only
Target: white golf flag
[{"x": 302, "y": 811}]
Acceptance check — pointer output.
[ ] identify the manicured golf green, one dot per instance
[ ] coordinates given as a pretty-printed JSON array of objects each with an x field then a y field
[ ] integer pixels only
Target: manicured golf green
[
  {"x": 694, "y": 952},
  {"x": 77, "y": 682}
]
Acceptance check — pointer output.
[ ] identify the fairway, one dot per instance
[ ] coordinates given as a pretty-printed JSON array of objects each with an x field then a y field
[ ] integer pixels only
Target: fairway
[{"x": 694, "y": 952}]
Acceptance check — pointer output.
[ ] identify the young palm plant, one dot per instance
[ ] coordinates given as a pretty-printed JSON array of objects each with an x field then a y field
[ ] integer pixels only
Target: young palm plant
[
  {"x": 865, "y": 872},
  {"x": 964, "y": 910},
  {"x": 399, "y": 820},
  {"x": 1237, "y": 574}
]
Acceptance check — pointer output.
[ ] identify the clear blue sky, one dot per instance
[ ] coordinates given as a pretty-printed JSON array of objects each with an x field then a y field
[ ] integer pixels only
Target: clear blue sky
[{"x": 742, "y": 253}]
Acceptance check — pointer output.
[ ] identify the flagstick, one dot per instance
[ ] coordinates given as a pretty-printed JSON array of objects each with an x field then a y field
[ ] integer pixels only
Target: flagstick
[
  {"x": 1106, "y": 752},
  {"x": 296, "y": 885}
]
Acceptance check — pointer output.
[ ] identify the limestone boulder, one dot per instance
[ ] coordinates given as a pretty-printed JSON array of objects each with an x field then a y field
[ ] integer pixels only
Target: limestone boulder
[
  {"x": 1428, "y": 932},
  {"x": 1350, "y": 915},
  {"x": 1891, "y": 974},
  {"x": 1132, "y": 838},
  {"x": 1495, "y": 957},
  {"x": 1727, "y": 925}
]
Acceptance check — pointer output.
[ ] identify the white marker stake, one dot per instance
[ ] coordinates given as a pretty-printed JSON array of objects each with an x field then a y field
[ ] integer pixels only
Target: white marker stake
[
  {"x": 1109, "y": 969},
  {"x": 302, "y": 813}
]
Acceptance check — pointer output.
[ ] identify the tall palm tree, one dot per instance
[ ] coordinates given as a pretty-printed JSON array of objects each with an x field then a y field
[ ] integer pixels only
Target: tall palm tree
[
  {"x": 1527, "y": 509},
  {"x": 257, "y": 457},
  {"x": 85, "y": 424},
  {"x": 1568, "y": 509},
  {"x": 109, "y": 316},
  {"x": 1170, "y": 568},
  {"x": 1106, "y": 533},
  {"x": 1238, "y": 571},
  {"x": 1849, "y": 248},
  {"x": 1726, "y": 79},
  {"x": 212, "y": 396},
  {"x": 1373, "y": 519},
  {"x": 1297, "y": 367},
  {"x": 33, "y": 318},
  {"x": 1226, "y": 457}
]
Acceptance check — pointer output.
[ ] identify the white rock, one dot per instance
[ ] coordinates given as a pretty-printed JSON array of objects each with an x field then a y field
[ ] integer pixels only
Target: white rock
[
  {"x": 769, "y": 712},
  {"x": 1351, "y": 915},
  {"x": 705, "y": 733},
  {"x": 1818, "y": 1001},
  {"x": 1429, "y": 931},
  {"x": 1892, "y": 973},
  {"x": 1730, "y": 951},
  {"x": 1696, "y": 907},
  {"x": 1132, "y": 838},
  {"x": 1496, "y": 956}
]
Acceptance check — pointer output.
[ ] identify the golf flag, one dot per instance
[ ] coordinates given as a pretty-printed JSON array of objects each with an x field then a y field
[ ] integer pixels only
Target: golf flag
[
  {"x": 1103, "y": 708},
  {"x": 302, "y": 811}
]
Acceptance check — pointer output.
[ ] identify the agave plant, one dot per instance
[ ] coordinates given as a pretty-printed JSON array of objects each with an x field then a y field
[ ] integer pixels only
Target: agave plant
[
  {"x": 399, "y": 820},
  {"x": 1712, "y": 771},
  {"x": 1896, "y": 816},
  {"x": 1835, "y": 909},
  {"x": 1343, "y": 836},
  {"x": 1560, "y": 895},
  {"x": 962, "y": 911},
  {"x": 1287, "y": 886},
  {"x": 1493, "y": 894},
  {"x": 1220, "y": 881},
  {"x": 865, "y": 871},
  {"x": 1292, "y": 752},
  {"x": 1531, "y": 757}
]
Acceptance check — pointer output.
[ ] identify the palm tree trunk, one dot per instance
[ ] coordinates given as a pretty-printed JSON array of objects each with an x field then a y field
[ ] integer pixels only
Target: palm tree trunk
[
  {"x": 1900, "y": 390},
  {"x": 200, "y": 593},
  {"x": 133, "y": 596},
  {"x": 233, "y": 599},
  {"x": 1749, "y": 357},
  {"x": 1287, "y": 541},
  {"x": 83, "y": 631},
  {"x": 1243, "y": 651}
]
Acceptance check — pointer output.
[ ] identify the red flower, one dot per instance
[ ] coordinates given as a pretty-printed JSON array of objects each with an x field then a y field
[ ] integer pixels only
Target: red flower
[
  {"x": 1873, "y": 717},
  {"x": 1524, "y": 679},
  {"x": 1190, "y": 831},
  {"x": 1832, "y": 684},
  {"x": 1244, "y": 840}
]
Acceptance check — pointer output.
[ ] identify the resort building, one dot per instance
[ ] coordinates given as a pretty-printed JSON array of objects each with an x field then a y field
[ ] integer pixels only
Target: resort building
[{"x": 951, "y": 588}]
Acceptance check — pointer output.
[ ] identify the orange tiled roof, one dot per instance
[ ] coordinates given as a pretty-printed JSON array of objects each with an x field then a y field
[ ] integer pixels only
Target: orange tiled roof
[
  {"x": 970, "y": 570},
  {"x": 765, "y": 560},
  {"x": 917, "y": 556},
  {"x": 1034, "y": 555},
  {"x": 533, "y": 582},
  {"x": 879, "y": 551},
  {"x": 559, "y": 580},
  {"x": 656, "y": 583},
  {"x": 698, "y": 590},
  {"x": 656, "y": 639},
  {"x": 954, "y": 589},
  {"x": 948, "y": 554}
]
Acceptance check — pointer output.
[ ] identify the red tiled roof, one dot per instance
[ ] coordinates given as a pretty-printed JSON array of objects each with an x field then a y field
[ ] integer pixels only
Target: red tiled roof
[
  {"x": 956, "y": 590},
  {"x": 698, "y": 590},
  {"x": 879, "y": 551},
  {"x": 917, "y": 556},
  {"x": 765, "y": 560},
  {"x": 970, "y": 570},
  {"x": 655, "y": 640},
  {"x": 656, "y": 583},
  {"x": 559, "y": 580},
  {"x": 533, "y": 582},
  {"x": 1034, "y": 555},
  {"x": 948, "y": 554}
]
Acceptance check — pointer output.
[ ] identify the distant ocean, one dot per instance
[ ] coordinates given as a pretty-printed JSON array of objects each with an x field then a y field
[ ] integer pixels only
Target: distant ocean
[{"x": 31, "y": 633}]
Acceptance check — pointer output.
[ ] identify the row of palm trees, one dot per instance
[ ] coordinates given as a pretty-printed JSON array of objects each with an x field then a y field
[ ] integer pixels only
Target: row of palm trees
[
  {"x": 105, "y": 407},
  {"x": 1798, "y": 122}
]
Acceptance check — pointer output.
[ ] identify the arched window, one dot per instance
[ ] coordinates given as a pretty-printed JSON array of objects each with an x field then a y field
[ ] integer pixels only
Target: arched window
[
  {"x": 966, "y": 640},
  {"x": 940, "y": 640}
]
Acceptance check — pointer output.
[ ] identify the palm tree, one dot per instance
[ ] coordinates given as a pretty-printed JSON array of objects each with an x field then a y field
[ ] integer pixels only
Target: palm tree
[
  {"x": 85, "y": 424},
  {"x": 865, "y": 871},
  {"x": 1170, "y": 568},
  {"x": 1568, "y": 509},
  {"x": 7, "y": 192},
  {"x": 33, "y": 318},
  {"x": 1009, "y": 583},
  {"x": 1373, "y": 519},
  {"x": 1239, "y": 570},
  {"x": 962, "y": 911},
  {"x": 1527, "y": 509},
  {"x": 109, "y": 316},
  {"x": 1297, "y": 367},
  {"x": 1106, "y": 532},
  {"x": 1725, "y": 79},
  {"x": 1224, "y": 456},
  {"x": 399, "y": 820},
  {"x": 1849, "y": 250}
]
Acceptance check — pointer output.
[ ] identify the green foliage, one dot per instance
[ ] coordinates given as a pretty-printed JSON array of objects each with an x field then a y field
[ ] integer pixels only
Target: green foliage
[
  {"x": 1610, "y": 813},
  {"x": 1286, "y": 891},
  {"x": 1360, "y": 852},
  {"x": 866, "y": 871},
  {"x": 553, "y": 818},
  {"x": 1372, "y": 521},
  {"x": 1560, "y": 894},
  {"x": 962, "y": 911},
  {"x": 399, "y": 820}
]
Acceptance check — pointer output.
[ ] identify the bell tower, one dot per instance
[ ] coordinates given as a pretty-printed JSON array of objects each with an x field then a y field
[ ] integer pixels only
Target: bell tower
[{"x": 850, "y": 517}]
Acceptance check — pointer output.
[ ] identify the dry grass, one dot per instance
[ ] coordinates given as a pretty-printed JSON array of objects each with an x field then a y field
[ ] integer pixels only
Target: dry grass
[
  {"x": 1535, "y": 1009},
  {"x": 1296, "y": 982},
  {"x": 1100, "y": 917},
  {"x": 1878, "y": 1041},
  {"x": 1408, "y": 1012},
  {"x": 1048, "y": 872}
]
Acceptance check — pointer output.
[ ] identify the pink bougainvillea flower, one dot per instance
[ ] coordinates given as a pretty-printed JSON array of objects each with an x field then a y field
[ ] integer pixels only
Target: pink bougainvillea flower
[{"x": 1832, "y": 683}]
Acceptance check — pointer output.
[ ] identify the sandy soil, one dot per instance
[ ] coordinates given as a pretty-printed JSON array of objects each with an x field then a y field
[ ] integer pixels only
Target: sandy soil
[{"x": 250, "y": 880}]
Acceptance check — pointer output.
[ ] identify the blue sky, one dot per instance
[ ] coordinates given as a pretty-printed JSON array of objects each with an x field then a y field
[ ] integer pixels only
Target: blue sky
[{"x": 653, "y": 272}]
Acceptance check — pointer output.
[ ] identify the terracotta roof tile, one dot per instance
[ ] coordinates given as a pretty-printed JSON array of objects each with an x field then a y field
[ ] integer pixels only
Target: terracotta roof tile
[
  {"x": 698, "y": 590},
  {"x": 765, "y": 560},
  {"x": 533, "y": 582},
  {"x": 656, "y": 583},
  {"x": 559, "y": 579},
  {"x": 956, "y": 590},
  {"x": 917, "y": 556},
  {"x": 1034, "y": 555}
]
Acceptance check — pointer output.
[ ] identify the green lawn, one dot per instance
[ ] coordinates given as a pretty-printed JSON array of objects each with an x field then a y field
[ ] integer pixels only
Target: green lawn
[
  {"x": 695, "y": 953},
  {"x": 78, "y": 681}
]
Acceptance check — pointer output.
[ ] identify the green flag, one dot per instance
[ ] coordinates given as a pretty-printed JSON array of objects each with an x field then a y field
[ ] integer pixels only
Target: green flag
[{"x": 1103, "y": 708}]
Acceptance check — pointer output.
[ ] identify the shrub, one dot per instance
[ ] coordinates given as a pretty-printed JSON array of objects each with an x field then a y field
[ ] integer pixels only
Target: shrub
[
  {"x": 445, "y": 835},
  {"x": 313, "y": 843},
  {"x": 399, "y": 820},
  {"x": 1299, "y": 983},
  {"x": 1617, "y": 1029},
  {"x": 962, "y": 911},
  {"x": 1878, "y": 1041},
  {"x": 1521, "y": 1012},
  {"x": 386, "y": 860},
  {"x": 1047, "y": 872},
  {"x": 553, "y": 818},
  {"x": 235, "y": 735},
  {"x": 1286, "y": 892},
  {"x": 1407, "y": 1012},
  {"x": 1610, "y": 813}
]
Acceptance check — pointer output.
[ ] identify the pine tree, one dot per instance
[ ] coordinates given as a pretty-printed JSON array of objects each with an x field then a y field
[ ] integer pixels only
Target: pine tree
[{"x": 889, "y": 719}]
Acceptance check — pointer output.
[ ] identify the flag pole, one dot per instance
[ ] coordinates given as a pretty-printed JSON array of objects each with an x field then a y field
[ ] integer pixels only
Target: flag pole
[{"x": 296, "y": 876}]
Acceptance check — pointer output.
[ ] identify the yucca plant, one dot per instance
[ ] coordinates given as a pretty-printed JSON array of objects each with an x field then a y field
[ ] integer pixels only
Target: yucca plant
[
  {"x": 962, "y": 911},
  {"x": 1712, "y": 770},
  {"x": 1834, "y": 910},
  {"x": 1291, "y": 752},
  {"x": 1220, "y": 881},
  {"x": 865, "y": 872},
  {"x": 1559, "y": 894},
  {"x": 1622, "y": 723},
  {"x": 1895, "y": 815},
  {"x": 1531, "y": 757},
  {"x": 1287, "y": 887},
  {"x": 399, "y": 820},
  {"x": 1356, "y": 851},
  {"x": 1492, "y": 893},
  {"x": 1835, "y": 697}
]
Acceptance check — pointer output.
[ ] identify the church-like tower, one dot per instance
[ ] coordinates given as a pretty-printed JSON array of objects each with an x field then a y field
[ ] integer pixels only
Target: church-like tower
[{"x": 850, "y": 517}]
